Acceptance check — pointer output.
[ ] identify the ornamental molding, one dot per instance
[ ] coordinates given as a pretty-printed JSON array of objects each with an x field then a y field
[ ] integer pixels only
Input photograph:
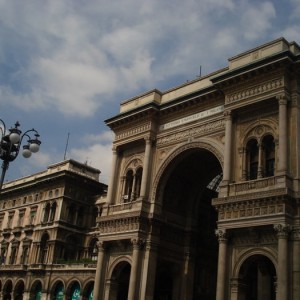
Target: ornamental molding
[
  {"x": 133, "y": 131},
  {"x": 256, "y": 90},
  {"x": 254, "y": 208},
  {"x": 191, "y": 133},
  {"x": 122, "y": 225},
  {"x": 260, "y": 128},
  {"x": 277, "y": 194},
  {"x": 133, "y": 163}
]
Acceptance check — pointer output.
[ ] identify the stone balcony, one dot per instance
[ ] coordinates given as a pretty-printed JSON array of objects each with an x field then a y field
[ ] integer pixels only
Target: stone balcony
[{"x": 263, "y": 200}]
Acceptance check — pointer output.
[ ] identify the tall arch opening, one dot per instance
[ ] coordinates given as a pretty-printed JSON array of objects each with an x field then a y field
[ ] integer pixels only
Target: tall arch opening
[
  {"x": 19, "y": 290},
  {"x": 257, "y": 278},
  {"x": 7, "y": 290},
  {"x": 120, "y": 281},
  {"x": 188, "y": 251}
]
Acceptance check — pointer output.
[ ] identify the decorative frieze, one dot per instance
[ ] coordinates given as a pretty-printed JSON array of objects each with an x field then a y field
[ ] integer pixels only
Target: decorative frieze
[
  {"x": 133, "y": 131},
  {"x": 256, "y": 90},
  {"x": 119, "y": 225},
  {"x": 191, "y": 132},
  {"x": 253, "y": 208}
]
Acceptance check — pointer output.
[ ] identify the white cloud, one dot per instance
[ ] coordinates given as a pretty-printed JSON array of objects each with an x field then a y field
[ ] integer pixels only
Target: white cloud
[
  {"x": 95, "y": 154},
  {"x": 257, "y": 20}
]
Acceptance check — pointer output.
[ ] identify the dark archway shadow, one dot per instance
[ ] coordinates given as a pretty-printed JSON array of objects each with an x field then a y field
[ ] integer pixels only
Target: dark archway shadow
[{"x": 188, "y": 247}]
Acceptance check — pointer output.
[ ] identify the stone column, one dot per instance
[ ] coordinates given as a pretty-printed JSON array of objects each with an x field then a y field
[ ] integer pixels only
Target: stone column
[
  {"x": 113, "y": 175},
  {"x": 221, "y": 277},
  {"x": 260, "y": 168},
  {"x": 227, "y": 149},
  {"x": 243, "y": 152},
  {"x": 282, "y": 165},
  {"x": 296, "y": 264},
  {"x": 148, "y": 152},
  {"x": 97, "y": 294},
  {"x": 132, "y": 291},
  {"x": 133, "y": 195},
  {"x": 123, "y": 181},
  {"x": 149, "y": 270},
  {"x": 282, "y": 276}
]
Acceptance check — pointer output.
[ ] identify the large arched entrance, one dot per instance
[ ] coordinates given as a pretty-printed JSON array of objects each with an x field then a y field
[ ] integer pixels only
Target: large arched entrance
[
  {"x": 257, "y": 278},
  {"x": 188, "y": 251},
  {"x": 7, "y": 290},
  {"x": 119, "y": 284},
  {"x": 19, "y": 290}
]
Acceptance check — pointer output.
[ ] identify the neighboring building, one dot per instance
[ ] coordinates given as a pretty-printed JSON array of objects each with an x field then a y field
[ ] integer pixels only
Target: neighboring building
[
  {"x": 48, "y": 233},
  {"x": 203, "y": 201}
]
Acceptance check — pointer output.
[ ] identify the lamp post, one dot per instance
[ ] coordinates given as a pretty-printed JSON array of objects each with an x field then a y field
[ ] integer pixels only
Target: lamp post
[{"x": 10, "y": 144}]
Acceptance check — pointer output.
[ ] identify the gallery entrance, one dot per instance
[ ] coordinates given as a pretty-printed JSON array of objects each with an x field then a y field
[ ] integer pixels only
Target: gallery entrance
[
  {"x": 188, "y": 251},
  {"x": 257, "y": 278}
]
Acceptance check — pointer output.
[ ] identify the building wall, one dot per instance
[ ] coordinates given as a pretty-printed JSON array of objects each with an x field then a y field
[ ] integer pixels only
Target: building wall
[
  {"x": 49, "y": 244},
  {"x": 181, "y": 235}
]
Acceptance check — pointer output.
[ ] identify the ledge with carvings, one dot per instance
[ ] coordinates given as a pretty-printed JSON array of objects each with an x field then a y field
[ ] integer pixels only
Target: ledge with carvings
[{"x": 259, "y": 185}]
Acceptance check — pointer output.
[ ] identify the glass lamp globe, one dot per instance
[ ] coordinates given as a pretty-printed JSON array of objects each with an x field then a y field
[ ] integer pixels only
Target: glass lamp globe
[
  {"x": 34, "y": 146},
  {"x": 14, "y": 137},
  {"x": 26, "y": 152}
]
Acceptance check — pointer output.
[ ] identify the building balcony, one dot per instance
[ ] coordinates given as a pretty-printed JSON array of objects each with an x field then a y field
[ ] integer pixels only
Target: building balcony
[
  {"x": 258, "y": 201},
  {"x": 8, "y": 267},
  {"x": 125, "y": 207},
  {"x": 261, "y": 185}
]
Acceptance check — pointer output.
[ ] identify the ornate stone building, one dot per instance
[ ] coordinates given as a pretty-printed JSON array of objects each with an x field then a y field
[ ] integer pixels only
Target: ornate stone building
[
  {"x": 203, "y": 201},
  {"x": 48, "y": 241}
]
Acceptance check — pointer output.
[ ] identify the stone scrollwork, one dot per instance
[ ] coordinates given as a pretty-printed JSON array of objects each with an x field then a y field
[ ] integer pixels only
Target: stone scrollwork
[
  {"x": 256, "y": 90},
  {"x": 191, "y": 132},
  {"x": 282, "y": 230},
  {"x": 221, "y": 235},
  {"x": 137, "y": 243}
]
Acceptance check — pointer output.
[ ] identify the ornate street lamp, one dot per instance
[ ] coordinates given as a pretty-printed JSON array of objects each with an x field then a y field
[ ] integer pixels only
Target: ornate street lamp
[{"x": 10, "y": 144}]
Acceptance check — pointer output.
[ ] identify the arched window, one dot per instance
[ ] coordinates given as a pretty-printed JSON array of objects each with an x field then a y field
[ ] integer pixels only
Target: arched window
[
  {"x": 252, "y": 159},
  {"x": 44, "y": 248},
  {"x": 128, "y": 186},
  {"x": 53, "y": 211},
  {"x": 71, "y": 214},
  {"x": 138, "y": 181},
  {"x": 93, "y": 250},
  {"x": 46, "y": 213},
  {"x": 269, "y": 155},
  {"x": 80, "y": 216}
]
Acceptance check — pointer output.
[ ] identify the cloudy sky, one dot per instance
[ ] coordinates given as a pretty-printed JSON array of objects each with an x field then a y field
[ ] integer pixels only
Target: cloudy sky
[{"x": 65, "y": 66}]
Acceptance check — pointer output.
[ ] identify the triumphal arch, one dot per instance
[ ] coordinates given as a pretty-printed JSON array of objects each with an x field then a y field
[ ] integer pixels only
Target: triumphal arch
[{"x": 203, "y": 201}]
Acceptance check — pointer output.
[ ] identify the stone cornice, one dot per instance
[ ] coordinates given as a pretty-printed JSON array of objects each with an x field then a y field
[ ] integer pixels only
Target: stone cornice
[
  {"x": 191, "y": 132},
  {"x": 258, "y": 206}
]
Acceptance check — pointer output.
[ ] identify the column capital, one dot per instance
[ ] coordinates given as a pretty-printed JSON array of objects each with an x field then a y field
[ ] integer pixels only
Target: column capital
[
  {"x": 282, "y": 99},
  {"x": 115, "y": 149},
  {"x": 227, "y": 114},
  {"x": 296, "y": 233},
  {"x": 149, "y": 138},
  {"x": 101, "y": 245},
  {"x": 137, "y": 243},
  {"x": 282, "y": 230},
  {"x": 221, "y": 235}
]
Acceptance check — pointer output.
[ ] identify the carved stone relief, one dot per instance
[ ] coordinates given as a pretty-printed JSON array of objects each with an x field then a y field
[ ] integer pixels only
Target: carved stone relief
[
  {"x": 191, "y": 132},
  {"x": 255, "y": 90}
]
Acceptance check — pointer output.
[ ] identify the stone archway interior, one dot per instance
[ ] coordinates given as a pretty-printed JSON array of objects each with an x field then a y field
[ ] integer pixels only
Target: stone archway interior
[
  {"x": 189, "y": 247},
  {"x": 7, "y": 290},
  {"x": 19, "y": 290},
  {"x": 257, "y": 279},
  {"x": 120, "y": 281}
]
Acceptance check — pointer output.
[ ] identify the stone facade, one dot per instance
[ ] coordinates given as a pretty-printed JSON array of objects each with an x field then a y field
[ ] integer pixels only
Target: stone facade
[
  {"x": 48, "y": 233},
  {"x": 203, "y": 198},
  {"x": 203, "y": 201}
]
